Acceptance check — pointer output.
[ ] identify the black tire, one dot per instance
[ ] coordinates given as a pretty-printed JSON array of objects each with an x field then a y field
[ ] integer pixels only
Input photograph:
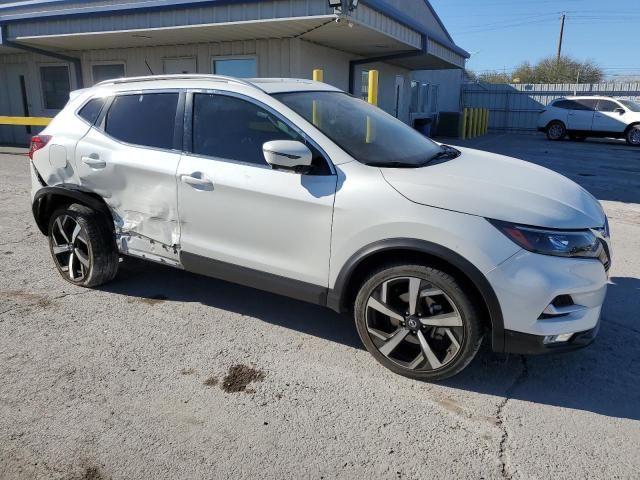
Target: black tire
[
  {"x": 632, "y": 136},
  {"x": 577, "y": 138},
  {"x": 556, "y": 131},
  {"x": 88, "y": 258},
  {"x": 454, "y": 357}
]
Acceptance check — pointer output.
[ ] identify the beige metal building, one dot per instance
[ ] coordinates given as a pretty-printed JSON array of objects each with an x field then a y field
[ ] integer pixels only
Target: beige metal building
[{"x": 49, "y": 47}]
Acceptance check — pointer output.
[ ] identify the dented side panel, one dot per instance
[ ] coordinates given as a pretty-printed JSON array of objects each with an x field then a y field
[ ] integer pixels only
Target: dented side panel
[{"x": 139, "y": 186}]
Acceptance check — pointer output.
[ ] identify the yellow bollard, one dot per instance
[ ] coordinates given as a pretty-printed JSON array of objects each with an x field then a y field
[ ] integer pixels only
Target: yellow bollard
[
  {"x": 318, "y": 76},
  {"x": 474, "y": 122},
  {"x": 487, "y": 122},
  {"x": 469, "y": 122},
  {"x": 463, "y": 130},
  {"x": 484, "y": 121},
  {"x": 373, "y": 100},
  {"x": 373, "y": 87}
]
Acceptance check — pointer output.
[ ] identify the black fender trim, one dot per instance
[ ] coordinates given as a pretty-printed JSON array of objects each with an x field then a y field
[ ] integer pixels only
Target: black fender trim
[
  {"x": 335, "y": 297},
  {"x": 44, "y": 202}
]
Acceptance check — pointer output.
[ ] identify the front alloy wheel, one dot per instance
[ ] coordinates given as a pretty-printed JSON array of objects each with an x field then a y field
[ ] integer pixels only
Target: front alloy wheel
[
  {"x": 633, "y": 136},
  {"x": 418, "y": 322},
  {"x": 556, "y": 131}
]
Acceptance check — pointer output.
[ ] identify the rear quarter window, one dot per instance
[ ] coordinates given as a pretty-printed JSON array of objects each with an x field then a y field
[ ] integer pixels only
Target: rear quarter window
[
  {"x": 143, "y": 119},
  {"x": 91, "y": 110}
]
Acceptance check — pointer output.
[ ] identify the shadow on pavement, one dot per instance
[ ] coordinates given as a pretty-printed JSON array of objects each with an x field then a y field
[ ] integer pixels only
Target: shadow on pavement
[{"x": 601, "y": 378}]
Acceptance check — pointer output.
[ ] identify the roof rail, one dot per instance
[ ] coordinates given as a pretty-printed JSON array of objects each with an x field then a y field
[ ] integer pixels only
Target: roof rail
[{"x": 190, "y": 76}]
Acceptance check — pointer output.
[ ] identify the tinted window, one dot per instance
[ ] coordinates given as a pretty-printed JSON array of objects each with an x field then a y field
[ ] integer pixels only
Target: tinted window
[
  {"x": 91, "y": 110},
  {"x": 55, "y": 86},
  {"x": 231, "y": 128},
  {"x": 607, "y": 106},
  {"x": 147, "y": 119},
  {"x": 107, "y": 72},
  {"x": 584, "y": 104},
  {"x": 236, "y": 67},
  {"x": 566, "y": 104}
]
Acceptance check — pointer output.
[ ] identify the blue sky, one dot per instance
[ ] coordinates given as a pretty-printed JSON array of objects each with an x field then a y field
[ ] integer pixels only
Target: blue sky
[{"x": 500, "y": 34}]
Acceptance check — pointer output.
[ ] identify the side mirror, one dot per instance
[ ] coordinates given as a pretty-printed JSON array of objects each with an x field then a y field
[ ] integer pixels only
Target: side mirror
[
  {"x": 288, "y": 154},
  {"x": 620, "y": 111}
]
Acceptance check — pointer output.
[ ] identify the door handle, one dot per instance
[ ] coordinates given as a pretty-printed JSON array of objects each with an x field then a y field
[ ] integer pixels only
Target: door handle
[
  {"x": 94, "y": 161},
  {"x": 196, "y": 181}
]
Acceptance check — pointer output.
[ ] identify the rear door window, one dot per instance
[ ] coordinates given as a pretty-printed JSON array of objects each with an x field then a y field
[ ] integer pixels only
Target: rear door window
[
  {"x": 143, "y": 119},
  {"x": 585, "y": 104}
]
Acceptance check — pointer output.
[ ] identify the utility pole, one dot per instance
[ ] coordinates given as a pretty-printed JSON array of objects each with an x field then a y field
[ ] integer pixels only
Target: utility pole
[{"x": 561, "y": 37}]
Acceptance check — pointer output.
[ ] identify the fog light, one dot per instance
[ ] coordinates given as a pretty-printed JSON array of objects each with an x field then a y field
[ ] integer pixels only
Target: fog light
[{"x": 550, "y": 339}]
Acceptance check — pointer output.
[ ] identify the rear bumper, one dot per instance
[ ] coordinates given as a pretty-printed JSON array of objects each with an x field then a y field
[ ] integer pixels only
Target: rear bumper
[{"x": 526, "y": 344}]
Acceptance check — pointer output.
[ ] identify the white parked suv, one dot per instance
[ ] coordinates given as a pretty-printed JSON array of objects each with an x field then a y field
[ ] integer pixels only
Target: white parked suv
[
  {"x": 583, "y": 117},
  {"x": 297, "y": 188}
]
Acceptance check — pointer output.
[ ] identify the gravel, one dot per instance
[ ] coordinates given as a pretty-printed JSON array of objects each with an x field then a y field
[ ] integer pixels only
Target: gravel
[{"x": 165, "y": 374}]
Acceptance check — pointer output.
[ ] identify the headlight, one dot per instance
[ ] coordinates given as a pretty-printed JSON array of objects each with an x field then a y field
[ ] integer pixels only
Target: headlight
[{"x": 570, "y": 243}]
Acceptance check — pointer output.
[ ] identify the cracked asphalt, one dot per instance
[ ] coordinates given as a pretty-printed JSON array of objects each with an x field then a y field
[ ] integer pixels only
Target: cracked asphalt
[{"x": 164, "y": 374}]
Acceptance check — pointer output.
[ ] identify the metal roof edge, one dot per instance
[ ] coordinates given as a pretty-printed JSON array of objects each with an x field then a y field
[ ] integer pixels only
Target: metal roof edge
[{"x": 397, "y": 15}]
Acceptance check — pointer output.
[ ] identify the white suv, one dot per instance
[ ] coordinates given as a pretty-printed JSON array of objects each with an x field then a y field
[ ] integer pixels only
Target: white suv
[
  {"x": 582, "y": 117},
  {"x": 297, "y": 188}
]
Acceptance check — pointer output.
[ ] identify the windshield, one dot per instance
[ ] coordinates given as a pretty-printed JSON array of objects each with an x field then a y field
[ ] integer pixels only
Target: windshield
[
  {"x": 633, "y": 106},
  {"x": 365, "y": 132}
]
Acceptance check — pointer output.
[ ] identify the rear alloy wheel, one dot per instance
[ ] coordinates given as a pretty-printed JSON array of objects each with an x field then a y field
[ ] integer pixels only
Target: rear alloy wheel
[
  {"x": 633, "y": 136},
  {"x": 418, "y": 322},
  {"x": 83, "y": 246},
  {"x": 556, "y": 131}
]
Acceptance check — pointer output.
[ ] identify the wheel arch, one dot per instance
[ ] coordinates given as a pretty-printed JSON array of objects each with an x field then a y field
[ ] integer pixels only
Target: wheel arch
[
  {"x": 49, "y": 199},
  {"x": 355, "y": 270},
  {"x": 630, "y": 126},
  {"x": 556, "y": 120}
]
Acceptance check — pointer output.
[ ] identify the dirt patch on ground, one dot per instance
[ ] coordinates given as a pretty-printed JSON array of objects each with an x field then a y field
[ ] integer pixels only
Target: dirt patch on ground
[
  {"x": 187, "y": 371},
  {"x": 211, "y": 381},
  {"x": 30, "y": 299},
  {"x": 239, "y": 377}
]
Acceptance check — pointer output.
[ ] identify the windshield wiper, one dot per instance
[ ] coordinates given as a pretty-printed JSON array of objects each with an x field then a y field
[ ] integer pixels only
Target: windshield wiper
[
  {"x": 392, "y": 165},
  {"x": 445, "y": 152}
]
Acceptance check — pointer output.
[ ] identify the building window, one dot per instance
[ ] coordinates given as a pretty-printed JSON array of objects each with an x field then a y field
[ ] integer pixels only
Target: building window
[
  {"x": 146, "y": 119},
  {"x": 107, "y": 71},
  {"x": 236, "y": 67},
  {"x": 55, "y": 86}
]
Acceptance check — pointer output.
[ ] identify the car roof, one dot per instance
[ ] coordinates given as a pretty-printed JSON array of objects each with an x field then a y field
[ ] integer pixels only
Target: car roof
[
  {"x": 266, "y": 85},
  {"x": 587, "y": 97}
]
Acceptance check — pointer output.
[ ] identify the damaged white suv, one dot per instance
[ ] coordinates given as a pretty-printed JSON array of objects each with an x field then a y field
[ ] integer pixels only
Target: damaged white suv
[{"x": 297, "y": 188}]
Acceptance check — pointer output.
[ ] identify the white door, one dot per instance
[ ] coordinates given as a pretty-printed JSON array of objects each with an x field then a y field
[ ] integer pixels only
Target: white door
[
  {"x": 581, "y": 114},
  {"x": 129, "y": 159},
  {"x": 607, "y": 119},
  {"x": 19, "y": 103},
  {"x": 180, "y": 65},
  {"x": 236, "y": 212}
]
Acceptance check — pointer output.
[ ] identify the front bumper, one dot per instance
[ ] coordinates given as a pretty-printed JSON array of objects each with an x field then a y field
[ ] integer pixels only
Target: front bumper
[
  {"x": 528, "y": 285},
  {"x": 525, "y": 344}
]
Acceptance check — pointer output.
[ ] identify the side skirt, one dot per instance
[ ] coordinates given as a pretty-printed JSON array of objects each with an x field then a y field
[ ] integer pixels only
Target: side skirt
[{"x": 248, "y": 277}]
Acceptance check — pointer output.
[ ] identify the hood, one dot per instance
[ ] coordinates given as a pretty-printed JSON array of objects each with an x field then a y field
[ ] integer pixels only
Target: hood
[{"x": 502, "y": 188}]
